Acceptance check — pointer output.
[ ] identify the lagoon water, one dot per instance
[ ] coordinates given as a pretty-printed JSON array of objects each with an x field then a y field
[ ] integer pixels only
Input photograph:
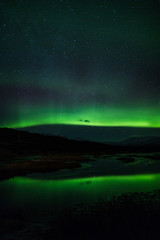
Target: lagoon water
[{"x": 95, "y": 181}]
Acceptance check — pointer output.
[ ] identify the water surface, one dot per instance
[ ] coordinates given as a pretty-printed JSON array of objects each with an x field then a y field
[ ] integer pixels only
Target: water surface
[{"x": 95, "y": 181}]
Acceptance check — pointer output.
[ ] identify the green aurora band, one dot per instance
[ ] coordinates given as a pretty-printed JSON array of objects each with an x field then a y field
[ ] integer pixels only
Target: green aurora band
[
  {"x": 90, "y": 116},
  {"x": 92, "y": 63}
]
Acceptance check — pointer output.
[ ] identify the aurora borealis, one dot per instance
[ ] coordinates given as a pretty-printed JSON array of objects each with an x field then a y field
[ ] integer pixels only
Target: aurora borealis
[{"x": 80, "y": 63}]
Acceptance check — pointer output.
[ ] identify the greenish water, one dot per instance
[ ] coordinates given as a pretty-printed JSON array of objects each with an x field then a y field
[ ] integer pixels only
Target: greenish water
[
  {"x": 35, "y": 196},
  {"x": 111, "y": 175}
]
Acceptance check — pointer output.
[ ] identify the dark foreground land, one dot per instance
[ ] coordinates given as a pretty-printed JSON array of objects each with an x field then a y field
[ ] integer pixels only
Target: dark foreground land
[
  {"x": 130, "y": 216},
  {"x": 22, "y": 152}
]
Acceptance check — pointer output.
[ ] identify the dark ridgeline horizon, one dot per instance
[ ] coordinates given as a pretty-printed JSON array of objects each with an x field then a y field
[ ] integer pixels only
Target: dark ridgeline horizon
[{"x": 94, "y": 133}]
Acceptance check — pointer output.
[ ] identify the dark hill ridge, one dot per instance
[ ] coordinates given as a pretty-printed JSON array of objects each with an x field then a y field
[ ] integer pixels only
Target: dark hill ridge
[
  {"x": 142, "y": 141},
  {"x": 94, "y": 133},
  {"x": 35, "y": 143},
  {"x": 42, "y": 142},
  {"x": 138, "y": 141}
]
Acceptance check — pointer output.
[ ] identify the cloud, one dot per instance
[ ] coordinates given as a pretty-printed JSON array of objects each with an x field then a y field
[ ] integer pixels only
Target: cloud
[{"x": 87, "y": 121}]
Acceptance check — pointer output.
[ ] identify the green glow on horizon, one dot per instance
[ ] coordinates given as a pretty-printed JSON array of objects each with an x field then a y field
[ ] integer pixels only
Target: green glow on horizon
[
  {"x": 130, "y": 178},
  {"x": 89, "y": 116}
]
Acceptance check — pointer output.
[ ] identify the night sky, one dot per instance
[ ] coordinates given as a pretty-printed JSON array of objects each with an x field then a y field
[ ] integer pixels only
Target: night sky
[{"x": 80, "y": 62}]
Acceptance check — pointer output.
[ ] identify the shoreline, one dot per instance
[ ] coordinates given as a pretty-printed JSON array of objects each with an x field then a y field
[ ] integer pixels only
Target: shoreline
[{"x": 43, "y": 164}]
